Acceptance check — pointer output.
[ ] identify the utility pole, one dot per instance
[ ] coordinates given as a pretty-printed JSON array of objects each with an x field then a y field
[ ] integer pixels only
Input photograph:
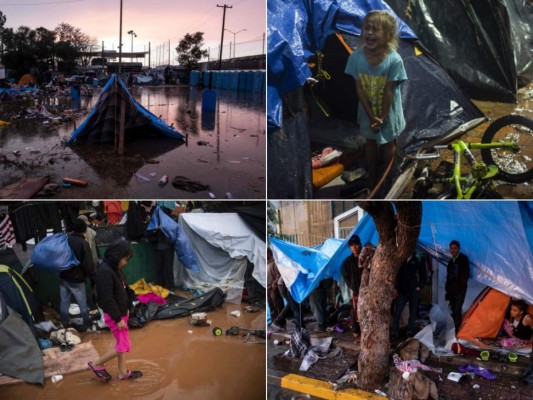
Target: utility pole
[
  {"x": 263, "y": 43},
  {"x": 149, "y": 55},
  {"x": 169, "y": 52},
  {"x": 120, "y": 42},
  {"x": 222, "y": 38}
]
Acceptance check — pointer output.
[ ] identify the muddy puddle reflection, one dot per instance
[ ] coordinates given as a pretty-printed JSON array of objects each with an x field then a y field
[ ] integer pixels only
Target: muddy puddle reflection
[
  {"x": 225, "y": 149},
  {"x": 178, "y": 361}
]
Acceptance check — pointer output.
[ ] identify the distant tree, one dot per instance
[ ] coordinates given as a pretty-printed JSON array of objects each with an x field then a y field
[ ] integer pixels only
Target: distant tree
[
  {"x": 189, "y": 50},
  {"x": 44, "y": 48}
]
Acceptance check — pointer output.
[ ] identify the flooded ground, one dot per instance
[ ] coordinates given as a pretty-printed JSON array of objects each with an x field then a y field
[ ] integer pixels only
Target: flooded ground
[
  {"x": 225, "y": 149},
  {"x": 178, "y": 361}
]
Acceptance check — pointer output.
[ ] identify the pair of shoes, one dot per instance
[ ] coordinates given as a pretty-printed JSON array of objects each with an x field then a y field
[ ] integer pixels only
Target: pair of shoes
[
  {"x": 67, "y": 346},
  {"x": 100, "y": 372},
  {"x": 130, "y": 375},
  {"x": 479, "y": 371}
]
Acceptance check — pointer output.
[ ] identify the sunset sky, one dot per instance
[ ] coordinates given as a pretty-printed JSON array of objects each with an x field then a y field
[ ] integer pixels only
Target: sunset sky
[{"x": 154, "y": 21}]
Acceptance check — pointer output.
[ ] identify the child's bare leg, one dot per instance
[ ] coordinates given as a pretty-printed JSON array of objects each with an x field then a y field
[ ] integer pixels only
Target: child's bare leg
[
  {"x": 371, "y": 152},
  {"x": 122, "y": 372},
  {"x": 388, "y": 152},
  {"x": 106, "y": 357}
]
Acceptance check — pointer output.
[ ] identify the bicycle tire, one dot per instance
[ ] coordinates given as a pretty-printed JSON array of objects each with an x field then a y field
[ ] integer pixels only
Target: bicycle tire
[{"x": 519, "y": 129}]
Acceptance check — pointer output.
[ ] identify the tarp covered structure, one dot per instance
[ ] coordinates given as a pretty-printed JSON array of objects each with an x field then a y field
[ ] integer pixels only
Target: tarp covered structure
[
  {"x": 102, "y": 124},
  {"x": 224, "y": 245},
  {"x": 433, "y": 104},
  {"x": 486, "y": 46},
  {"x": 497, "y": 237}
]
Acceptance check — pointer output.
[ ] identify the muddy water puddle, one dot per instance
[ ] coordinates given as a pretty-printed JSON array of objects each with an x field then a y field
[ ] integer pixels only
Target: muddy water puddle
[
  {"x": 178, "y": 361},
  {"x": 225, "y": 150}
]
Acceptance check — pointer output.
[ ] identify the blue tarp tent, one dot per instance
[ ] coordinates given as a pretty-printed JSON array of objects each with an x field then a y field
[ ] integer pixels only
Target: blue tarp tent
[
  {"x": 177, "y": 236},
  {"x": 103, "y": 121},
  {"x": 434, "y": 106},
  {"x": 496, "y": 236}
]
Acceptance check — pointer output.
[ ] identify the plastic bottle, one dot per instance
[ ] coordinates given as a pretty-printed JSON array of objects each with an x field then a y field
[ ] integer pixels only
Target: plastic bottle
[{"x": 164, "y": 180}]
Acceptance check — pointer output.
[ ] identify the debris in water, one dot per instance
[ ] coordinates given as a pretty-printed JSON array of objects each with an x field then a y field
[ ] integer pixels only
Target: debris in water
[
  {"x": 163, "y": 181},
  {"x": 212, "y": 195},
  {"x": 184, "y": 183},
  {"x": 152, "y": 161},
  {"x": 142, "y": 177},
  {"x": 16, "y": 152},
  {"x": 189, "y": 331},
  {"x": 380, "y": 393},
  {"x": 202, "y": 161},
  {"x": 235, "y": 162},
  {"x": 203, "y": 143},
  {"x": 235, "y": 313},
  {"x": 228, "y": 195}
]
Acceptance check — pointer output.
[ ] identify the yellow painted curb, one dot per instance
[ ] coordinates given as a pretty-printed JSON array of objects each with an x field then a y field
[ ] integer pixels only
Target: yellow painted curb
[{"x": 321, "y": 389}]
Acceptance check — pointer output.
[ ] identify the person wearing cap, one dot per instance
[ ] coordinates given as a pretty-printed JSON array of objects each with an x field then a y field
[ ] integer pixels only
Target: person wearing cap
[
  {"x": 352, "y": 275},
  {"x": 72, "y": 280}
]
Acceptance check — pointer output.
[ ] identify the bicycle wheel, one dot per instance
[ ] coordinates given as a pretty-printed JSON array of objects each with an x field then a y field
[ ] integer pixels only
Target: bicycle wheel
[{"x": 514, "y": 167}]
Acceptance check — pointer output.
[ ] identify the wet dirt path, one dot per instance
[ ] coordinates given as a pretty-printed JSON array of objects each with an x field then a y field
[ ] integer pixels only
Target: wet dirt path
[{"x": 178, "y": 360}]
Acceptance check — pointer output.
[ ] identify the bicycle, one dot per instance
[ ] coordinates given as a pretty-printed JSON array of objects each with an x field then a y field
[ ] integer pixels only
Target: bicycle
[{"x": 507, "y": 153}]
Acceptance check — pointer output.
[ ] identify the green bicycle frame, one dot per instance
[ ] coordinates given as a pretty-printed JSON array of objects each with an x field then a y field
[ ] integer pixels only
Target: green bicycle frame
[{"x": 462, "y": 147}]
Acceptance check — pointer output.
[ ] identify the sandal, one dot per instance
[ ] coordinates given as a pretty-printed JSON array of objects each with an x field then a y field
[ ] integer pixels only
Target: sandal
[
  {"x": 100, "y": 372},
  {"x": 131, "y": 375}
]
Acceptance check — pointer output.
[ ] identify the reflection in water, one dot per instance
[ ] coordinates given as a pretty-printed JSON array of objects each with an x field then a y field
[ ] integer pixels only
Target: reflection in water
[{"x": 229, "y": 158}]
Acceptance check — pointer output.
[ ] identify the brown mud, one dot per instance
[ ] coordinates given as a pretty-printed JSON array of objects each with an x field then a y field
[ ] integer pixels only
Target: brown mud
[{"x": 178, "y": 361}]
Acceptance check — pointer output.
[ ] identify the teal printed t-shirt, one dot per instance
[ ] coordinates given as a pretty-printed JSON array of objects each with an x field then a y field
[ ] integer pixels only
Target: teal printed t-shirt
[{"x": 373, "y": 80}]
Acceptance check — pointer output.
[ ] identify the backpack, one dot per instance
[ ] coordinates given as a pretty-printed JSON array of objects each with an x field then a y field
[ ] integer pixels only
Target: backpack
[{"x": 366, "y": 255}]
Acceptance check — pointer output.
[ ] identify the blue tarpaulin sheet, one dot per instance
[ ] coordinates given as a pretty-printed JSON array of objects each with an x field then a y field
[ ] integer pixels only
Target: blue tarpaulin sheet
[
  {"x": 496, "y": 236},
  {"x": 175, "y": 234}
]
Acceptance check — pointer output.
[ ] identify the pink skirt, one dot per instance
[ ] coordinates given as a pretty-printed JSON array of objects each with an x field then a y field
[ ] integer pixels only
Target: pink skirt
[{"x": 122, "y": 336}]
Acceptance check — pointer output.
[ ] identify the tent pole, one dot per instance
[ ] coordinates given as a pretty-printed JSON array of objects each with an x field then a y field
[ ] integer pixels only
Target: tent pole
[{"x": 121, "y": 126}]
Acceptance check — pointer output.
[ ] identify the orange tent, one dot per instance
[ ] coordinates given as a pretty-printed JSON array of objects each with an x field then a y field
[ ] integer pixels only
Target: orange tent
[
  {"x": 27, "y": 78},
  {"x": 485, "y": 316}
]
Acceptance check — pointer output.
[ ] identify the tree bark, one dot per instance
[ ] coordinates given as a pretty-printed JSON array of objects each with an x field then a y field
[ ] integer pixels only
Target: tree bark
[{"x": 397, "y": 241}]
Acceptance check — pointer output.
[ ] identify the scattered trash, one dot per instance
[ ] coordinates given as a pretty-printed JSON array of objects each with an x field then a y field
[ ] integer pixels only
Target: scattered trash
[
  {"x": 349, "y": 379},
  {"x": 152, "y": 174},
  {"x": 513, "y": 357},
  {"x": 76, "y": 182},
  {"x": 235, "y": 313},
  {"x": 217, "y": 331},
  {"x": 203, "y": 143},
  {"x": 485, "y": 355},
  {"x": 142, "y": 177},
  {"x": 212, "y": 195},
  {"x": 456, "y": 377},
  {"x": 513, "y": 387},
  {"x": 276, "y": 342},
  {"x": 163, "y": 181},
  {"x": 476, "y": 386},
  {"x": 202, "y": 161},
  {"x": 252, "y": 309},
  {"x": 189, "y": 331},
  {"x": 479, "y": 371},
  {"x": 184, "y": 183},
  {"x": 16, "y": 152},
  {"x": 228, "y": 195},
  {"x": 234, "y": 162},
  {"x": 152, "y": 161},
  {"x": 380, "y": 393},
  {"x": 67, "y": 185},
  {"x": 57, "y": 378}
]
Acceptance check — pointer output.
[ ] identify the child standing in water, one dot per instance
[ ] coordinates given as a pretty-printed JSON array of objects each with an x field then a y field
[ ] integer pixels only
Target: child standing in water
[
  {"x": 114, "y": 300},
  {"x": 378, "y": 72}
]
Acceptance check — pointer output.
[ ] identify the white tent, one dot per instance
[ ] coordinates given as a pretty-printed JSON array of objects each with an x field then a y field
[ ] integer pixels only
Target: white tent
[{"x": 224, "y": 245}]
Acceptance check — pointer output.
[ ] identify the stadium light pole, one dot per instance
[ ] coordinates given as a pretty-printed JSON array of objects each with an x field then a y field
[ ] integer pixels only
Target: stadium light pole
[{"x": 234, "y": 43}]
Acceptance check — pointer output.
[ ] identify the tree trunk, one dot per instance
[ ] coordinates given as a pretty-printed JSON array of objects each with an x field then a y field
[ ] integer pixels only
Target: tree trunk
[{"x": 397, "y": 241}]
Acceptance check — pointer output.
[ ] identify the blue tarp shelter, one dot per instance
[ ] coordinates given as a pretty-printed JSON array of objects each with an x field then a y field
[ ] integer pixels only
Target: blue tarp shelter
[
  {"x": 102, "y": 124},
  {"x": 496, "y": 236}
]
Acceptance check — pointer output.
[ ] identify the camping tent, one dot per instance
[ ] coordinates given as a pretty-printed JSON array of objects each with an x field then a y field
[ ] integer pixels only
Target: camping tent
[
  {"x": 485, "y": 45},
  {"x": 27, "y": 79},
  {"x": 496, "y": 236},
  {"x": 485, "y": 316},
  {"x": 103, "y": 121},
  {"x": 19, "y": 351},
  {"x": 224, "y": 245},
  {"x": 19, "y": 296},
  {"x": 433, "y": 104}
]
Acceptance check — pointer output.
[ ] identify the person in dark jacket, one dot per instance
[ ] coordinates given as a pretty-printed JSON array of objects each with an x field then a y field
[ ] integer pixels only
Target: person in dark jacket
[
  {"x": 115, "y": 301},
  {"x": 164, "y": 257},
  {"x": 352, "y": 275},
  {"x": 72, "y": 281},
  {"x": 456, "y": 282},
  {"x": 410, "y": 280}
]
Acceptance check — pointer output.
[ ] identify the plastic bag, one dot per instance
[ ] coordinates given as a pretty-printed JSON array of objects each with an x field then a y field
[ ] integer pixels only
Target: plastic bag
[{"x": 54, "y": 254}]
